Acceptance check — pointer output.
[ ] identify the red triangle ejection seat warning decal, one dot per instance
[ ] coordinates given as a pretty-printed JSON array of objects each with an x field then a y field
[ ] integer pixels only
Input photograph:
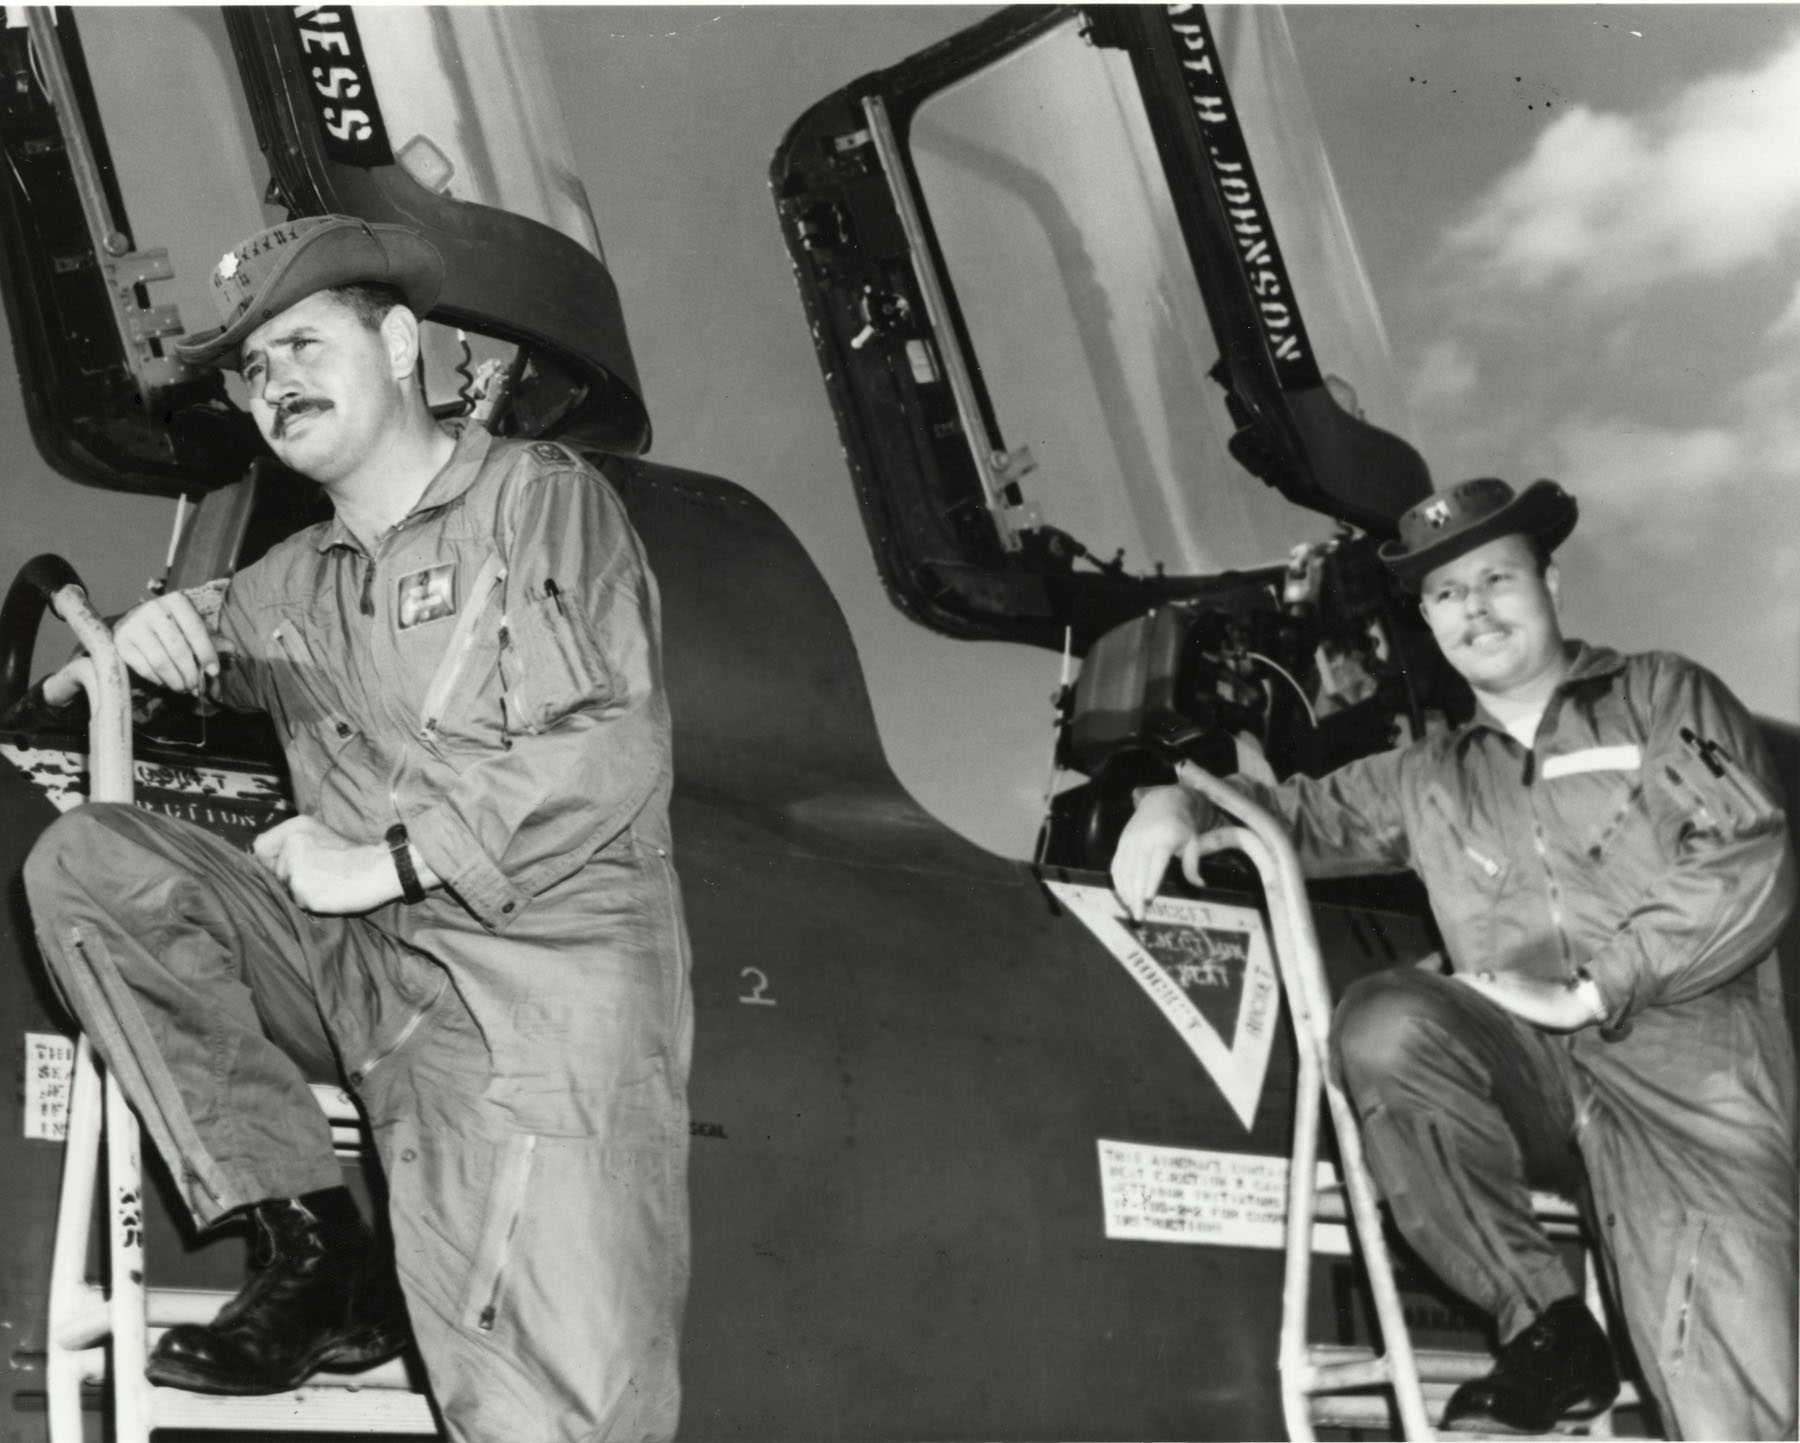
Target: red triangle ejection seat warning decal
[{"x": 1208, "y": 968}]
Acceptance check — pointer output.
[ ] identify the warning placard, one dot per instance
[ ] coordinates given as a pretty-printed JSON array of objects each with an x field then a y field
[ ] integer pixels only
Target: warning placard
[
  {"x": 1183, "y": 1195},
  {"x": 49, "y": 1077},
  {"x": 1208, "y": 968}
]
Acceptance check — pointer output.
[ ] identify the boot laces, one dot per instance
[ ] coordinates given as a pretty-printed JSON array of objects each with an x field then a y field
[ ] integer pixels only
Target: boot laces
[{"x": 284, "y": 1230}]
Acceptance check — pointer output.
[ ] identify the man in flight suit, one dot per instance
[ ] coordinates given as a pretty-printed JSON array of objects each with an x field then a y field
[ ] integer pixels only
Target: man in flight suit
[
  {"x": 1609, "y": 865},
  {"x": 473, "y": 919}
]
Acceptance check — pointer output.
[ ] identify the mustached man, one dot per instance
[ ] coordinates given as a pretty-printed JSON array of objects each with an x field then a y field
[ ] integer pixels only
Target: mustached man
[
  {"x": 1608, "y": 862},
  {"x": 473, "y": 920}
]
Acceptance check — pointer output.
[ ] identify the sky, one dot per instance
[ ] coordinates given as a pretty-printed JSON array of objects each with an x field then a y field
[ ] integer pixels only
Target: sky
[
  {"x": 1584, "y": 228},
  {"x": 1582, "y": 225}
]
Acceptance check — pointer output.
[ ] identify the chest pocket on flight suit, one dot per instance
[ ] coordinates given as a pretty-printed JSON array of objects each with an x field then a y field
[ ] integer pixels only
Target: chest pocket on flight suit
[
  {"x": 1616, "y": 808},
  {"x": 1466, "y": 881},
  {"x": 1720, "y": 796},
  {"x": 464, "y": 666},
  {"x": 311, "y": 717},
  {"x": 551, "y": 661}
]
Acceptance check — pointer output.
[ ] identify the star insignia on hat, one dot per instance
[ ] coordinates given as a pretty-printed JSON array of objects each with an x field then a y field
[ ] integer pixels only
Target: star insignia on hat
[
  {"x": 228, "y": 265},
  {"x": 1437, "y": 514}
]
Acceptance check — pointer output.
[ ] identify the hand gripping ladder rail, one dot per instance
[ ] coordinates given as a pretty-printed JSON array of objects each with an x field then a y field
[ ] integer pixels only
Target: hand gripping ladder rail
[
  {"x": 1303, "y": 1374},
  {"x": 81, "y": 1314},
  {"x": 1310, "y": 1371}
]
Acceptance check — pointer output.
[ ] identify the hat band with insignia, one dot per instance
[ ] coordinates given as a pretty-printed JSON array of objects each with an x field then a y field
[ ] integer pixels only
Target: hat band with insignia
[
  {"x": 1453, "y": 522},
  {"x": 261, "y": 277}
]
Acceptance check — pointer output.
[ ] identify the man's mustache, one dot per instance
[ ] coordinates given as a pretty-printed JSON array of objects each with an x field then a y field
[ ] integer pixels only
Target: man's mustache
[{"x": 287, "y": 410}]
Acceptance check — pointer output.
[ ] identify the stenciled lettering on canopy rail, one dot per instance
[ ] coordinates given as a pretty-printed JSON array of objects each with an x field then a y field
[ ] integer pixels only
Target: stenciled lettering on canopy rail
[
  {"x": 343, "y": 94},
  {"x": 1228, "y": 155}
]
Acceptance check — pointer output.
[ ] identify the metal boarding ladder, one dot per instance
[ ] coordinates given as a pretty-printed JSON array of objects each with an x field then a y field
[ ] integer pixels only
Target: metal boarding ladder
[
  {"x": 83, "y": 1315},
  {"x": 1323, "y": 1384}
]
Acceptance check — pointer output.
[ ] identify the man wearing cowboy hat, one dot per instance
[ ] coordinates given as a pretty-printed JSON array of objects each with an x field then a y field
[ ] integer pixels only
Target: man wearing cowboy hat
[
  {"x": 1608, "y": 863},
  {"x": 473, "y": 920}
]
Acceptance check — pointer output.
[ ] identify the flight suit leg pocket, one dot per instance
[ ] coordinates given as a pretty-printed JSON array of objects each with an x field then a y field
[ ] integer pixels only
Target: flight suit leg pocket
[
  {"x": 1727, "y": 1336},
  {"x": 484, "y": 1297},
  {"x": 1678, "y": 1303}
]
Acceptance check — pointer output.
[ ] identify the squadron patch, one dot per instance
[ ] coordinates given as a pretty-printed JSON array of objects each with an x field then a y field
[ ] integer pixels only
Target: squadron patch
[
  {"x": 428, "y": 595},
  {"x": 1208, "y": 968}
]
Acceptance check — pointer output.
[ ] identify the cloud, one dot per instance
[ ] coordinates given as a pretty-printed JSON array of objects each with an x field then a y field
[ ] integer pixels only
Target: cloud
[
  {"x": 1788, "y": 322},
  {"x": 1648, "y": 481},
  {"x": 1446, "y": 375},
  {"x": 1609, "y": 203}
]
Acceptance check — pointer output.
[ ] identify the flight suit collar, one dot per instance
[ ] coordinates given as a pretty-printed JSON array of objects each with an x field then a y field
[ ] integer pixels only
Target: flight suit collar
[
  {"x": 450, "y": 483},
  {"x": 1586, "y": 664}
]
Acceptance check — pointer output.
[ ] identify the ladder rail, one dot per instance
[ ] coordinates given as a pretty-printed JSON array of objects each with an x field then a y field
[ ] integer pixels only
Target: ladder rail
[
  {"x": 71, "y": 1311},
  {"x": 1296, "y": 945}
]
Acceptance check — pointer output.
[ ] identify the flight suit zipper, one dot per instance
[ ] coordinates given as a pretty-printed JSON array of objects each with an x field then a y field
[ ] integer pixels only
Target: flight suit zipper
[
  {"x": 302, "y": 666},
  {"x": 512, "y": 1183},
  {"x": 360, "y": 1075},
  {"x": 443, "y": 688},
  {"x": 1453, "y": 824}
]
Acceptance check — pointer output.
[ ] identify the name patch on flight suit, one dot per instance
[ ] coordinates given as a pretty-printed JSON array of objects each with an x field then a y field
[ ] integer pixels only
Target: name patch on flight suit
[{"x": 428, "y": 595}]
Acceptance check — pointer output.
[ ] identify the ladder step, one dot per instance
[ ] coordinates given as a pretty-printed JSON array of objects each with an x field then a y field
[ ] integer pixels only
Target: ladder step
[
  {"x": 388, "y": 1377},
  {"x": 306, "y": 1410},
  {"x": 1440, "y": 1373},
  {"x": 1436, "y": 1366},
  {"x": 1559, "y": 1215},
  {"x": 1373, "y": 1413},
  {"x": 1440, "y": 1369}
]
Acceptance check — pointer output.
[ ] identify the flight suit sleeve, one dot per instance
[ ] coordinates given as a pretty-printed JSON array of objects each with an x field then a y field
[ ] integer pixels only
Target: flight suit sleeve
[
  {"x": 582, "y": 689},
  {"x": 1348, "y": 823},
  {"x": 1728, "y": 879}
]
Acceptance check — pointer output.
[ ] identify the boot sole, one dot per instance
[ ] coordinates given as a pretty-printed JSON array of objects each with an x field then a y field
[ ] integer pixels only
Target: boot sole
[
  {"x": 1579, "y": 1409},
  {"x": 350, "y": 1354}
]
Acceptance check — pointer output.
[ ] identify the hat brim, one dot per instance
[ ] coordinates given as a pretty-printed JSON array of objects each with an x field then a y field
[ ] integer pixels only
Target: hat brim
[
  {"x": 348, "y": 255},
  {"x": 1543, "y": 510}
]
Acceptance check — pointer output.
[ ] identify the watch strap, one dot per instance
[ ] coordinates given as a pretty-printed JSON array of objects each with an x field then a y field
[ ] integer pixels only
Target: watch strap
[{"x": 399, "y": 846}]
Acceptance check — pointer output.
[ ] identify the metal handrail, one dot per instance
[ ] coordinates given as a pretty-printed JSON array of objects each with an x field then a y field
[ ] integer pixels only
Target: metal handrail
[
  {"x": 1296, "y": 944},
  {"x": 101, "y": 674}
]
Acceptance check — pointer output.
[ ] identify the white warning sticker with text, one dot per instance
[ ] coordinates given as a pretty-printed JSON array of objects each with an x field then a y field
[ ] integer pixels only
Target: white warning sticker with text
[
  {"x": 1182, "y": 1195},
  {"x": 49, "y": 1078}
]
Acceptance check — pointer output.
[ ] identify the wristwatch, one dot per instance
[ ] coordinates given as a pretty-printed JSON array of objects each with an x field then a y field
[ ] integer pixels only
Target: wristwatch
[{"x": 400, "y": 849}]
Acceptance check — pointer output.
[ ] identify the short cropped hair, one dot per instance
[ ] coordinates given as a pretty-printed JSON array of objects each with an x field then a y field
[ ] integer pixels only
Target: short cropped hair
[{"x": 369, "y": 301}]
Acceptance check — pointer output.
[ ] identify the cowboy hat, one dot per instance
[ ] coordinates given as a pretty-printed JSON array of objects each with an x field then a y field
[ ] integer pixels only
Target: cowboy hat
[
  {"x": 261, "y": 277},
  {"x": 1449, "y": 523}
]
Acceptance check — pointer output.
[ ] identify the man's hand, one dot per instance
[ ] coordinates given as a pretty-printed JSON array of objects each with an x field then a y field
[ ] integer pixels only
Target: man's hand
[
  {"x": 164, "y": 640},
  {"x": 325, "y": 873},
  {"x": 1549, "y": 1006},
  {"x": 1168, "y": 820}
]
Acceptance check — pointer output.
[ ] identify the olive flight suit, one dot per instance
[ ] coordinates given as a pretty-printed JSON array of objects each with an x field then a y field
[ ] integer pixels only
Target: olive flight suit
[
  {"x": 520, "y": 1039},
  {"x": 1640, "y": 837}
]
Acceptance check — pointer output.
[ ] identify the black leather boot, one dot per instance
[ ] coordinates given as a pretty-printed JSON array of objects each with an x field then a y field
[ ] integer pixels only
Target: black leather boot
[
  {"x": 322, "y": 1294},
  {"x": 1561, "y": 1366}
]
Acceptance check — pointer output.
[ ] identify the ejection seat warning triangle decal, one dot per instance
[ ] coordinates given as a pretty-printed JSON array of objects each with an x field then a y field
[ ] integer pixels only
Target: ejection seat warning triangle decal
[{"x": 1207, "y": 967}]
